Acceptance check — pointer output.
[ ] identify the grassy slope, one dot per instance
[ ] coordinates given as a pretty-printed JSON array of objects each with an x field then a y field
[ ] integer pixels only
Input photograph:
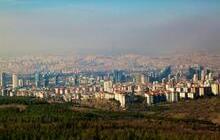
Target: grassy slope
[{"x": 185, "y": 120}]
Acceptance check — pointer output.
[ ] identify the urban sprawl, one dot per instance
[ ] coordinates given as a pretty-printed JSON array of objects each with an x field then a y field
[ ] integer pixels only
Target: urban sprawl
[{"x": 155, "y": 86}]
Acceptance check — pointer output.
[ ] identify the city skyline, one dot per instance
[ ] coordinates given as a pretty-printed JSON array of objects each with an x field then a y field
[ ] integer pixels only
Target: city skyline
[
  {"x": 110, "y": 69},
  {"x": 108, "y": 27}
]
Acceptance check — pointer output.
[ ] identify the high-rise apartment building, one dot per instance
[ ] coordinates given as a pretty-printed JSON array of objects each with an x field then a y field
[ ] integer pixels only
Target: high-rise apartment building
[
  {"x": 37, "y": 79},
  {"x": 3, "y": 80},
  {"x": 14, "y": 81}
]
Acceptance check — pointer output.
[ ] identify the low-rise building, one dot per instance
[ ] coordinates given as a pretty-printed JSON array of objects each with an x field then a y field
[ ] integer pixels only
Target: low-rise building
[
  {"x": 172, "y": 96},
  {"x": 39, "y": 94},
  {"x": 124, "y": 98},
  {"x": 149, "y": 99},
  {"x": 215, "y": 89},
  {"x": 183, "y": 95},
  {"x": 202, "y": 91},
  {"x": 105, "y": 95},
  {"x": 192, "y": 95},
  {"x": 186, "y": 89},
  {"x": 195, "y": 90}
]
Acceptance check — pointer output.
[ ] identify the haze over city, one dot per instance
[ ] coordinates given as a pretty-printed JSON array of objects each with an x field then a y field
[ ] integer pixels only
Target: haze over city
[
  {"x": 110, "y": 69},
  {"x": 103, "y": 27}
]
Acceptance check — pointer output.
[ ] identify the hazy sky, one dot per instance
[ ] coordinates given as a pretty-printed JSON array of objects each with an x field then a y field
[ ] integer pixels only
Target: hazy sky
[{"x": 108, "y": 26}]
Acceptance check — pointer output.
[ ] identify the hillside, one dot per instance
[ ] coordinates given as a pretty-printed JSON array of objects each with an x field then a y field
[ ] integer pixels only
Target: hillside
[{"x": 27, "y": 118}]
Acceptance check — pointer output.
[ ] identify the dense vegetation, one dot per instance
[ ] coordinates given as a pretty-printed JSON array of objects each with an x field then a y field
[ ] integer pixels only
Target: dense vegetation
[{"x": 40, "y": 120}]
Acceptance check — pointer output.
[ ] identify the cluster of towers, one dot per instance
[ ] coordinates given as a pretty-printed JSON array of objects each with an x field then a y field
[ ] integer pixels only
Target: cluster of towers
[{"x": 4, "y": 81}]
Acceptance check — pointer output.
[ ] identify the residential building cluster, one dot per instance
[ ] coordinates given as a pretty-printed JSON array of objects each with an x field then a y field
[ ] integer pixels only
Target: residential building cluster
[{"x": 123, "y": 86}]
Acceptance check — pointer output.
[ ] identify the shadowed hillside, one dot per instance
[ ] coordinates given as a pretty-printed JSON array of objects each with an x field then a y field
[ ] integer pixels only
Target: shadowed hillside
[{"x": 39, "y": 120}]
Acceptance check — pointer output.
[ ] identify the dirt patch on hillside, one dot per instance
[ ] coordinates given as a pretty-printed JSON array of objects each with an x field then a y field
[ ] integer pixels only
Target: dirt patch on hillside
[
  {"x": 20, "y": 108},
  {"x": 215, "y": 118}
]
